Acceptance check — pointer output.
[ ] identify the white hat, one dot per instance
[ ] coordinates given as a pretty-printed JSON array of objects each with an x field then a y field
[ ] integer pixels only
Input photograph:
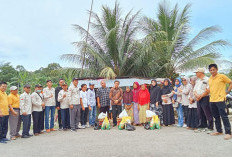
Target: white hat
[
  {"x": 200, "y": 70},
  {"x": 13, "y": 88}
]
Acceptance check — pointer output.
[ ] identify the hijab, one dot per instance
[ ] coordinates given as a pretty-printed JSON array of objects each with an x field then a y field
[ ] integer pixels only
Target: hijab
[
  {"x": 167, "y": 89},
  {"x": 136, "y": 92},
  {"x": 144, "y": 96},
  {"x": 177, "y": 86}
]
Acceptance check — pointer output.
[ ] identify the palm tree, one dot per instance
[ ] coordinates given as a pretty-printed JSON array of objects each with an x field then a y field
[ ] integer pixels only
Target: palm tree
[
  {"x": 170, "y": 50},
  {"x": 110, "y": 48}
]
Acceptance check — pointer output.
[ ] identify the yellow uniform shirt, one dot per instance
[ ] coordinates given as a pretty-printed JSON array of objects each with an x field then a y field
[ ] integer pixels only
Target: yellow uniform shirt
[
  {"x": 4, "y": 103},
  {"x": 217, "y": 86},
  {"x": 13, "y": 100}
]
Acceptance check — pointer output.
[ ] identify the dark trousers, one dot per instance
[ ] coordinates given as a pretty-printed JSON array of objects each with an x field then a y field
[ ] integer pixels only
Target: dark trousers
[
  {"x": 37, "y": 116},
  {"x": 26, "y": 124},
  {"x": 42, "y": 121},
  {"x": 204, "y": 113},
  {"x": 105, "y": 109},
  {"x": 218, "y": 111},
  {"x": 65, "y": 117},
  {"x": 186, "y": 111},
  {"x": 84, "y": 115},
  {"x": 3, "y": 126},
  {"x": 116, "y": 109},
  {"x": 60, "y": 119}
]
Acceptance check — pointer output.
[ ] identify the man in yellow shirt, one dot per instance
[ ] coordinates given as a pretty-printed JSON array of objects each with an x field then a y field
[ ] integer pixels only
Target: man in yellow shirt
[
  {"x": 217, "y": 90},
  {"x": 14, "y": 117},
  {"x": 4, "y": 113}
]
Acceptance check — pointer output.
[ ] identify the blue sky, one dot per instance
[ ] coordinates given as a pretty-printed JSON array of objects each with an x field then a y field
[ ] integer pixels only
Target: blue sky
[{"x": 35, "y": 33}]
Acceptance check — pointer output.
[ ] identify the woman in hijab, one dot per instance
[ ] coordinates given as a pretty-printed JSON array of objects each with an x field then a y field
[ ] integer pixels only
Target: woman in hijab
[
  {"x": 177, "y": 99},
  {"x": 155, "y": 100},
  {"x": 192, "y": 114},
  {"x": 186, "y": 88},
  {"x": 136, "y": 89},
  {"x": 144, "y": 101},
  {"x": 166, "y": 95}
]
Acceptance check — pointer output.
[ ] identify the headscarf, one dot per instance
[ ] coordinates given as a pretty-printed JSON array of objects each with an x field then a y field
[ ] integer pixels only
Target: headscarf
[
  {"x": 187, "y": 80},
  {"x": 177, "y": 86},
  {"x": 194, "y": 78},
  {"x": 144, "y": 96},
  {"x": 155, "y": 93},
  {"x": 166, "y": 89},
  {"x": 136, "y": 92}
]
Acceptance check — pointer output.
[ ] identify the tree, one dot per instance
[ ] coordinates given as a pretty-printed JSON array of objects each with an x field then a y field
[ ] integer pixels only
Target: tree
[
  {"x": 169, "y": 48},
  {"x": 7, "y": 72},
  {"x": 111, "y": 45}
]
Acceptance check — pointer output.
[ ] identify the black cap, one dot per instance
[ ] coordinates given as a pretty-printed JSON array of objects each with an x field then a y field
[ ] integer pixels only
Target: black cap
[
  {"x": 38, "y": 85},
  {"x": 75, "y": 78},
  {"x": 91, "y": 84},
  {"x": 27, "y": 86},
  {"x": 64, "y": 84}
]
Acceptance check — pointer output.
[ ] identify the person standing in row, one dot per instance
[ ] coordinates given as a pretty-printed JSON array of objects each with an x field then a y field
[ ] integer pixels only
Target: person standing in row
[
  {"x": 217, "y": 90},
  {"x": 103, "y": 99},
  {"x": 144, "y": 103},
  {"x": 4, "y": 112},
  {"x": 203, "y": 106},
  {"x": 136, "y": 89},
  {"x": 25, "y": 110},
  {"x": 155, "y": 100},
  {"x": 92, "y": 103},
  {"x": 128, "y": 103},
  {"x": 74, "y": 104},
  {"x": 37, "y": 109},
  {"x": 57, "y": 90},
  {"x": 186, "y": 88},
  {"x": 64, "y": 106},
  {"x": 116, "y": 95},
  {"x": 84, "y": 105},
  {"x": 14, "y": 117},
  {"x": 168, "y": 111}
]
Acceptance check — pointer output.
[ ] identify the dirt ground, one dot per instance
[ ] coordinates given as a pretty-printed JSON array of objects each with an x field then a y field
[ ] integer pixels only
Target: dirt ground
[{"x": 169, "y": 141}]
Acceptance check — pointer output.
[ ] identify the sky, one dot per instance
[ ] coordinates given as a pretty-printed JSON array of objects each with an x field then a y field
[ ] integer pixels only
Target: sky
[{"x": 37, "y": 32}]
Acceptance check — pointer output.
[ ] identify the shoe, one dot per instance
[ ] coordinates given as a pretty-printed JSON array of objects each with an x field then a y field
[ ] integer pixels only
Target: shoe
[
  {"x": 60, "y": 129},
  {"x": 41, "y": 133},
  {"x": 17, "y": 136},
  {"x": 87, "y": 126},
  {"x": 216, "y": 133},
  {"x": 48, "y": 130},
  {"x": 179, "y": 126},
  {"x": 36, "y": 134},
  {"x": 73, "y": 130},
  {"x": 82, "y": 127},
  {"x": 25, "y": 136},
  {"x": 52, "y": 129},
  {"x": 209, "y": 131},
  {"x": 227, "y": 137},
  {"x": 114, "y": 125},
  {"x": 184, "y": 126},
  {"x": 205, "y": 130},
  {"x": 29, "y": 135},
  {"x": 5, "y": 139},
  {"x": 3, "y": 142},
  {"x": 13, "y": 138},
  {"x": 198, "y": 130}
]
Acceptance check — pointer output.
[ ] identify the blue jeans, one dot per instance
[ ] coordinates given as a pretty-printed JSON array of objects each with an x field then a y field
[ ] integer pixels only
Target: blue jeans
[
  {"x": 65, "y": 117},
  {"x": 26, "y": 124},
  {"x": 180, "y": 115},
  {"x": 47, "y": 111},
  {"x": 92, "y": 115}
]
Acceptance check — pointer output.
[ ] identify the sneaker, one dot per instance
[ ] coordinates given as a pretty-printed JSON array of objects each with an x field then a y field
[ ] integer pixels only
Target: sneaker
[
  {"x": 82, "y": 127},
  {"x": 227, "y": 137},
  {"x": 5, "y": 139},
  {"x": 29, "y": 135},
  {"x": 209, "y": 131},
  {"x": 198, "y": 130},
  {"x": 3, "y": 142},
  {"x": 179, "y": 126},
  {"x": 87, "y": 126},
  {"x": 73, "y": 130},
  {"x": 184, "y": 126},
  {"x": 52, "y": 129},
  {"x": 25, "y": 136},
  {"x": 48, "y": 130},
  {"x": 205, "y": 130},
  {"x": 17, "y": 136}
]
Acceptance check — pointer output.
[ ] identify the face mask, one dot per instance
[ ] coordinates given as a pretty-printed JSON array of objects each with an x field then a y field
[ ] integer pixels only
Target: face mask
[{"x": 38, "y": 91}]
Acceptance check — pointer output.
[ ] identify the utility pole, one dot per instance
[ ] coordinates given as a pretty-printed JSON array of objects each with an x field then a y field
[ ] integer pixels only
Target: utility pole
[{"x": 86, "y": 40}]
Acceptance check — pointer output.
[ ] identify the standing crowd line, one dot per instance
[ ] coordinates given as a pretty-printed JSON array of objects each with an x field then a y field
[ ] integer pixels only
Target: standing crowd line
[{"x": 199, "y": 102}]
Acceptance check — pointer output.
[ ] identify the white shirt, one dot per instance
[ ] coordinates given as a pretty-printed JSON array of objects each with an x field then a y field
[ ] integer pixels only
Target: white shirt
[
  {"x": 49, "y": 101},
  {"x": 64, "y": 102},
  {"x": 84, "y": 97},
  {"x": 25, "y": 103},
  {"x": 91, "y": 97},
  {"x": 37, "y": 101},
  {"x": 201, "y": 85},
  {"x": 74, "y": 95}
]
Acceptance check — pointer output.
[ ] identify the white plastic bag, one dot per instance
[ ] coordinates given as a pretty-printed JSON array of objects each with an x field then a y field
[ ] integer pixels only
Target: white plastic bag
[
  {"x": 102, "y": 115},
  {"x": 149, "y": 114},
  {"x": 123, "y": 114}
]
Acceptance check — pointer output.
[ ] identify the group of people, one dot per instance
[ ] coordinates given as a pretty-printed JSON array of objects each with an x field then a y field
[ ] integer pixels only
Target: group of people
[{"x": 198, "y": 101}]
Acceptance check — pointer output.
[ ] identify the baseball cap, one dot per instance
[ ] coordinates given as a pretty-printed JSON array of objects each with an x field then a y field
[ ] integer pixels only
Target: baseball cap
[
  {"x": 27, "y": 86},
  {"x": 38, "y": 85},
  {"x": 200, "y": 70},
  {"x": 13, "y": 88}
]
